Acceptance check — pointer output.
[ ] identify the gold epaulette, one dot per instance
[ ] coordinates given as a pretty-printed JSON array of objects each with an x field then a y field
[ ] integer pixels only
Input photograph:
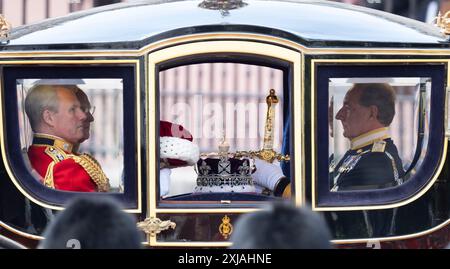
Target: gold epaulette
[
  {"x": 94, "y": 170},
  {"x": 57, "y": 155}
]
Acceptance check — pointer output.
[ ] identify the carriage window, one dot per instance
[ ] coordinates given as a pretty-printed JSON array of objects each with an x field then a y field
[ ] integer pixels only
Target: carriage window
[
  {"x": 71, "y": 132},
  {"x": 214, "y": 117},
  {"x": 378, "y": 129},
  {"x": 381, "y": 133}
]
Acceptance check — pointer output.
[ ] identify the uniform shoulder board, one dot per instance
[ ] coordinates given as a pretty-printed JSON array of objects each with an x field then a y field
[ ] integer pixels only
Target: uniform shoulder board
[
  {"x": 56, "y": 154},
  {"x": 379, "y": 146}
]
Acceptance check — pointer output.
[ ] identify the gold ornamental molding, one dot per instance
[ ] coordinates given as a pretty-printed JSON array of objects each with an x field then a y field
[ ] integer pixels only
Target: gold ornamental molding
[
  {"x": 224, "y": 6},
  {"x": 443, "y": 22},
  {"x": 5, "y": 28},
  {"x": 153, "y": 226},
  {"x": 226, "y": 228}
]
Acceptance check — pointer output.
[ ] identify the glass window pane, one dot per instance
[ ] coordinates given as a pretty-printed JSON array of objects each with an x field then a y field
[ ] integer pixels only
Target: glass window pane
[
  {"x": 377, "y": 129},
  {"x": 213, "y": 101},
  {"x": 76, "y": 142}
]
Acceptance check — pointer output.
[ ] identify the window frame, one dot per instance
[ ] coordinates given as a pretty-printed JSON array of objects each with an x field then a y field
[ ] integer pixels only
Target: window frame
[
  {"x": 323, "y": 198},
  {"x": 11, "y": 149},
  {"x": 252, "y": 46},
  {"x": 168, "y": 57},
  {"x": 236, "y": 199}
]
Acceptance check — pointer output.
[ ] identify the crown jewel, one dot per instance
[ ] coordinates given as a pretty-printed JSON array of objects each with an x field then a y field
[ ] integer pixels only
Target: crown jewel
[{"x": 224, "y": 173}]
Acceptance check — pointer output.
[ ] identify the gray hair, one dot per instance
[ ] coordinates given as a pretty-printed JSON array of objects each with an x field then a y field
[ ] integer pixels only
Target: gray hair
[
  {"x": 40, "y": 98},
  {"x": 381, "y": 95}
]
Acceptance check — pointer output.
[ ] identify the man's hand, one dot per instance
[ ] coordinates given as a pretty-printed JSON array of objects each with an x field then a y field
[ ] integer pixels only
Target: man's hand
[{"x": 267, "y": 174}]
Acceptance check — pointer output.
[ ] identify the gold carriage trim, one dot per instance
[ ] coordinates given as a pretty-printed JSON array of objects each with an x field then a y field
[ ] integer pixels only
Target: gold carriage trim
[
  {"x": 5, "y": 28},
  {"x": 94, "y": 170},
  {"x": 153, "y": 226},
  {"x": 226, "y": 228},
  {"x": 443, "y": 22}
]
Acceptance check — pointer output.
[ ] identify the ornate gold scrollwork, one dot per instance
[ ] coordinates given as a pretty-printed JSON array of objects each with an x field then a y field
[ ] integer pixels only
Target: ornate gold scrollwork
[
  {"x": 443, "y": 22},
  {"x": 224, "y": 6},
  {"x": 226, "y": 228},
  {"x": 153, "y": 226},
  {"x": 5, "y": 28}
]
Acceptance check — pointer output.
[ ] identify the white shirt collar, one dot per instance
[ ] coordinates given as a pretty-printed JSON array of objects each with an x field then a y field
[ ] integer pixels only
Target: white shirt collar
[{"x": 369, "y": 138}]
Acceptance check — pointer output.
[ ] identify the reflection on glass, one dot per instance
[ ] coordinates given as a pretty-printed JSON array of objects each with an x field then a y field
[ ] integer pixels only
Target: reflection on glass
[
  {"x": 377, "y": 127},
  {"x": 217, "y": 104},
  {"x": 71, "y": 132}
]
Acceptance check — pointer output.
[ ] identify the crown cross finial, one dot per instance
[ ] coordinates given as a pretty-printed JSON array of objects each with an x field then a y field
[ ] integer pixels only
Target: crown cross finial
[{"x": 224, "y": 147}]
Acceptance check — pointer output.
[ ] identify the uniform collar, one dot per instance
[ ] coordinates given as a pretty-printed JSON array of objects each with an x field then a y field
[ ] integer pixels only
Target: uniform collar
[
  {"x": 51, "y": 140},
  {"x": 369, "y": 138}
]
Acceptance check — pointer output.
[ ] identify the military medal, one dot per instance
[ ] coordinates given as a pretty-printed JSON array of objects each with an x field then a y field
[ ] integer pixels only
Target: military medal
[{"x": 332, "y": 166}]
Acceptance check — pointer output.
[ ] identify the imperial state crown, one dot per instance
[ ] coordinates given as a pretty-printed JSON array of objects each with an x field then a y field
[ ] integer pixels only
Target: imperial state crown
[{"x": 224, "y": 173}]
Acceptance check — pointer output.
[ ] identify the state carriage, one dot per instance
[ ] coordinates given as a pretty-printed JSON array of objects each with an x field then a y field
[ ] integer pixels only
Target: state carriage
[{"x": 209, "y": 66}]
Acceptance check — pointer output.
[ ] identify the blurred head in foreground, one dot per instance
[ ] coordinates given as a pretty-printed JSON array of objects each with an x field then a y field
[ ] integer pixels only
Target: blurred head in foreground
[
  {"x": 92, "y": 223},
  {"x": 281, "y": 226}
]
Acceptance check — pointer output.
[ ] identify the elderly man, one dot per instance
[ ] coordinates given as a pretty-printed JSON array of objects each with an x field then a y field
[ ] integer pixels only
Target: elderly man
[
  {"x": 372, "y": 162},
  {"x": 60, "y": 122}
]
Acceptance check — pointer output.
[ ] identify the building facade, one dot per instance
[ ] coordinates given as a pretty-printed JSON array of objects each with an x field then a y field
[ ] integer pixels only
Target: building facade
[{"x": 20, "y": 12}]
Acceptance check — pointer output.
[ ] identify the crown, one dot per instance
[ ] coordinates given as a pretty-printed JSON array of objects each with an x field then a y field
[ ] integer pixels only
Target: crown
[{"x": 223, "y": 173}]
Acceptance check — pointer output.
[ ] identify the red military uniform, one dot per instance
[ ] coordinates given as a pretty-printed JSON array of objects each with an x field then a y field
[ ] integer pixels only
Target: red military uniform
[{"x": 62, "y": 169}]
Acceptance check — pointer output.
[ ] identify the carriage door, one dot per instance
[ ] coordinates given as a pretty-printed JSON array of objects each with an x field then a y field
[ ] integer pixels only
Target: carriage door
[{"x": 213, "y": 107}]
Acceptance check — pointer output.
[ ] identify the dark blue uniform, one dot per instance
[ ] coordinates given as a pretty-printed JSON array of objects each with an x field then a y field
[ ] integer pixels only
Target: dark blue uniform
[{"x": 375, "y": 166}]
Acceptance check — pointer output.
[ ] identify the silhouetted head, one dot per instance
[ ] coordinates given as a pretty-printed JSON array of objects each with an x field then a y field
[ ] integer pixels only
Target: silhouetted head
[
  {"x": 282, "y": 226},
  {"x": 92, "y": 223}
]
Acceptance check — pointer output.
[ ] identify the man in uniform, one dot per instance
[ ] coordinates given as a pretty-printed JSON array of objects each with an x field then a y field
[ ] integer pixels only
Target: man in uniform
[
  {"x": 60, "y": 123},
  {"x": 372, "y": 162}
]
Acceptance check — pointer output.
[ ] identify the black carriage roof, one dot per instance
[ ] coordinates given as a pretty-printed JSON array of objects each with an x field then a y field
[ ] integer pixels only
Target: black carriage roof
[{"x": 312, "y": 23}]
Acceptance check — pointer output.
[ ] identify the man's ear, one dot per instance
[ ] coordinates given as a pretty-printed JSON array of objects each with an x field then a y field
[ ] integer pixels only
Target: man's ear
[
  {"x": 374, "y": 112},
  {"x": 48, "y": 117}
]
